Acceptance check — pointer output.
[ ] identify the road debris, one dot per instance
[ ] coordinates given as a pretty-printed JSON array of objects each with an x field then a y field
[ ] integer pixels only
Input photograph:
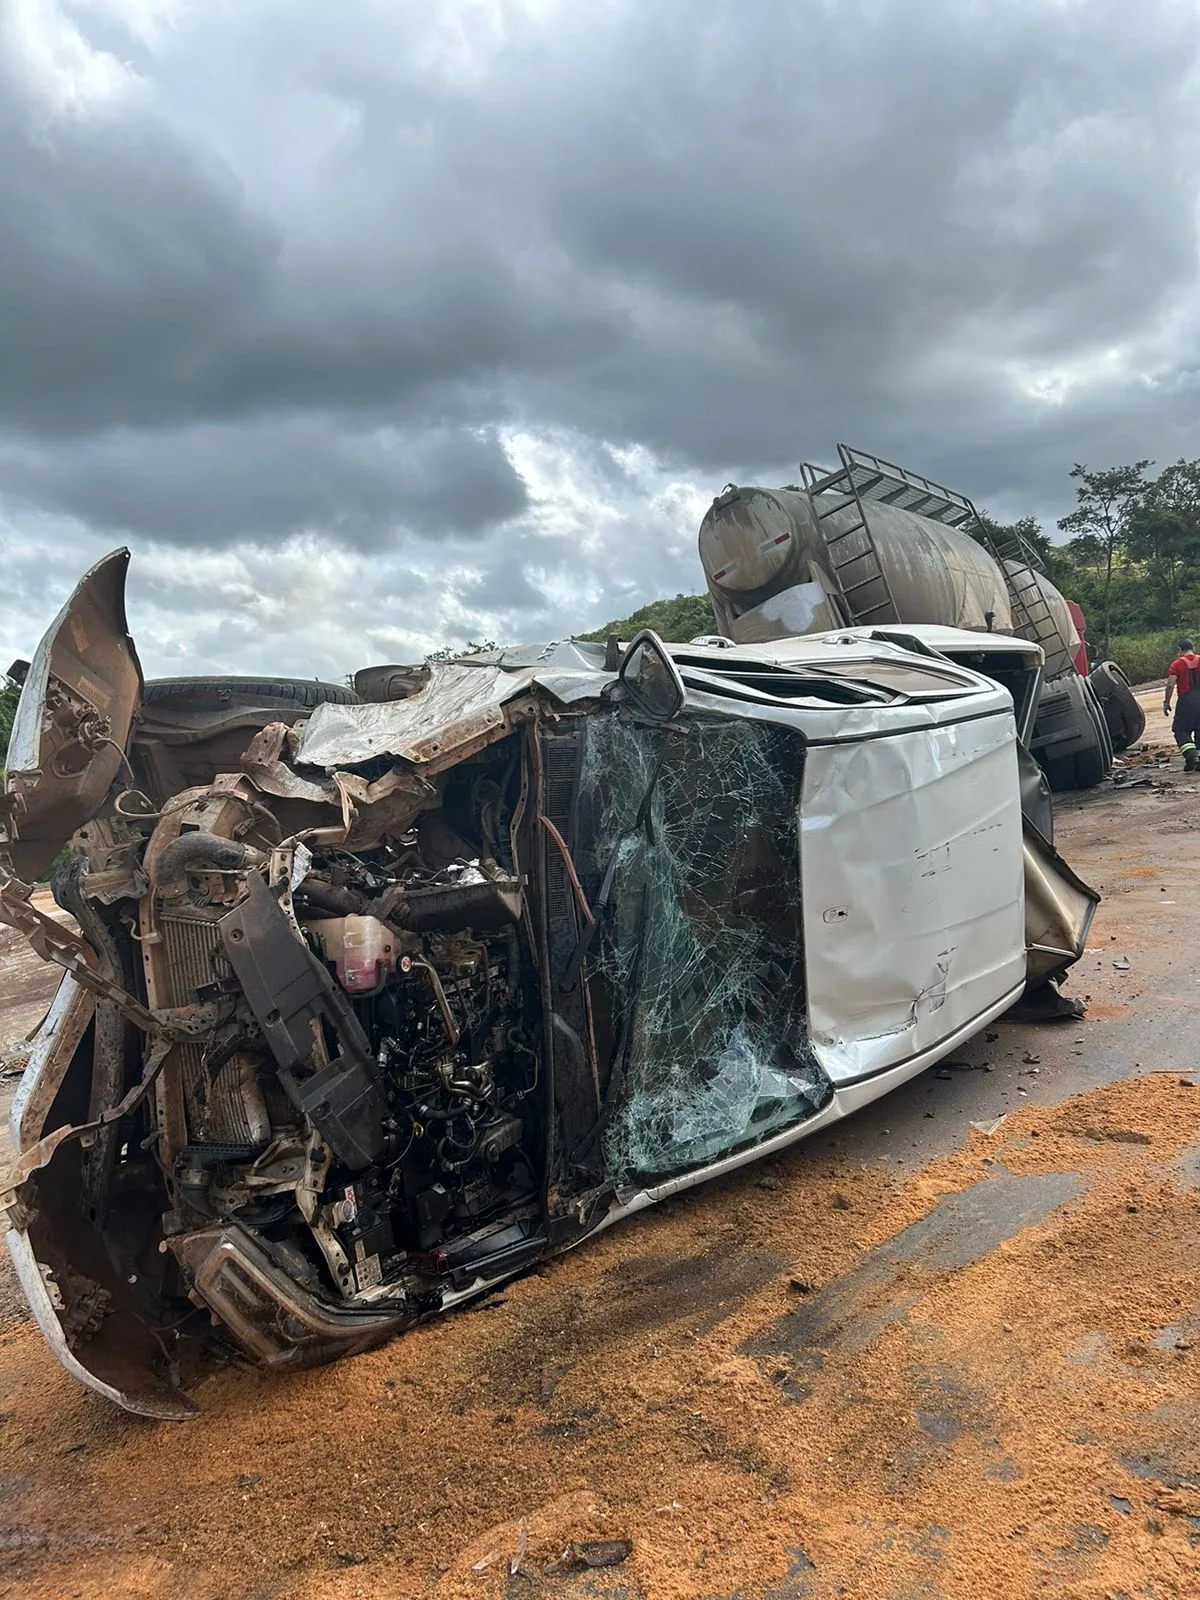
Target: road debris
[
  {"x": 514, "y": 1566},
  {"x": 989, "y": 1129},
  {"x": 13, "y": 1060},
  {"x": 585, "y": 1553}
]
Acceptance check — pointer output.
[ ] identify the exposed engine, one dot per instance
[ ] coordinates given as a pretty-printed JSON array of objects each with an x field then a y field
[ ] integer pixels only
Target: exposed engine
[{"x": 413, "y": 1152}]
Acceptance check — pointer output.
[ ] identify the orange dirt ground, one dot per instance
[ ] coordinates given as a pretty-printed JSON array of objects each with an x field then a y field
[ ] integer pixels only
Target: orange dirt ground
[{"x": 909, "y": 1359}]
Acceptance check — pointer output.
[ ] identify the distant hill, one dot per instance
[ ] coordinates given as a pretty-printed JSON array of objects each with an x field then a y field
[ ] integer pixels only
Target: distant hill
[{"x": 677, "y": 621}]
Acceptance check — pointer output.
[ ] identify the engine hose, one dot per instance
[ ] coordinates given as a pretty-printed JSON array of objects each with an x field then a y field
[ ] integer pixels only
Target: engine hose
[
  {"x": 338, "y": 902},
  {"x": 200, "y": 852}
]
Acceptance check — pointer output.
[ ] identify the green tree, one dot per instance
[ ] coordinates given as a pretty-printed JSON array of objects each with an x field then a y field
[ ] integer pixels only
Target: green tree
[
  {"x": 1164, "y": 533},
  {"x": 1027, "y": 529},
  {"x": 1099, "y": 525},
  {"x": 9, "y": 695},
  {"x": 451, "y": 652}
]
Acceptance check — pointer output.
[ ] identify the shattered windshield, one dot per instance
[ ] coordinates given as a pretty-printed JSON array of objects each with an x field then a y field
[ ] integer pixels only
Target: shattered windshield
[{"x": 702, "y": 956}]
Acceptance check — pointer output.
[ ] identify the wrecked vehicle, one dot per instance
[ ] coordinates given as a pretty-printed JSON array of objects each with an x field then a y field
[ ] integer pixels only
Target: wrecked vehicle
[{"x": 378, "y": 1001}]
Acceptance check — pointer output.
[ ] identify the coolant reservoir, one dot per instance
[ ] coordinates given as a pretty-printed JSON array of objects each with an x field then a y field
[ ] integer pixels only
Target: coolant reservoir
[
  {"x": 368, "y": 955},
  {"x": 362, "y": 949}
]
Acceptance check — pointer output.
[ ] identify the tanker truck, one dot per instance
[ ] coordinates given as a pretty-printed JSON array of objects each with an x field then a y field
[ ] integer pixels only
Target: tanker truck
[{"x": 871, "y": 544}]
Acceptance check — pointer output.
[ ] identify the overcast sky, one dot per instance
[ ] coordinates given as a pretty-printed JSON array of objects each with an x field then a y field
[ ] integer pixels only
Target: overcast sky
[{"x": 384, "y": 324}]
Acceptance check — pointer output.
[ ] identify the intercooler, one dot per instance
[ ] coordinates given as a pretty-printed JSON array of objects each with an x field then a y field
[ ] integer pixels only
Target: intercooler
[{"x": 223, "y": 1108}]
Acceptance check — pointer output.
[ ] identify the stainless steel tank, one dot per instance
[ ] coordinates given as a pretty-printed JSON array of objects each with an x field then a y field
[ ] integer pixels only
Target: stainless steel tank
[{"x": 758, "y": 545}]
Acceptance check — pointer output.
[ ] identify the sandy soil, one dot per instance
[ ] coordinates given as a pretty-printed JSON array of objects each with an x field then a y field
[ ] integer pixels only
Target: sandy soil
[{"x": 911, "y": 1359}]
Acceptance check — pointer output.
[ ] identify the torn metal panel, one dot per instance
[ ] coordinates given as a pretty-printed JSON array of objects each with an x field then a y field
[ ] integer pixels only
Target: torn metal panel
[
  {"x": 265, "y": 763},
  {"x": 53, "y": 1049},
  {"x": 1059, "y": 908},
  {"x": 139, "y": 1393},
  {"x": 389, "y": 803},
  {"x": 80, "y": 696},
  {"x": 457, "y": 705},
  {"x": 913, "y": 908}
]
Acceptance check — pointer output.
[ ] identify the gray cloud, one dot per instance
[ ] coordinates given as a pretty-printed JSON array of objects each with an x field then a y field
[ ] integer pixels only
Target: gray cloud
[
  {"x": 220, "y": 484},
  {"x": 392, "y": 285}
]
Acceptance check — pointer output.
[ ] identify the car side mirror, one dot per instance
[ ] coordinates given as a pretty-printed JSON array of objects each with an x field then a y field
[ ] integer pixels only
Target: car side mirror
[{"x": 651, "y": 679}]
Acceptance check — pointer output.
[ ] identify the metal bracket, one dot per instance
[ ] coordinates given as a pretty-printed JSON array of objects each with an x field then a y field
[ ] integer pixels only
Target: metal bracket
[{"x": 50, "y": 940}]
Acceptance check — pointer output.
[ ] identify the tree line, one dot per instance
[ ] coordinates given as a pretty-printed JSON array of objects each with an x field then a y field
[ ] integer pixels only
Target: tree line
[{"x": 1132, "y": 558}]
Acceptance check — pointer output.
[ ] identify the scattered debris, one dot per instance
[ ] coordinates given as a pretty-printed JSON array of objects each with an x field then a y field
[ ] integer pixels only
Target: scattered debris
[
  {"x": 1109, "y": 1135},
  {"x": 584, "y": 1553},
  {"x": 1121, "y": 966},
  {"x": 989, "y": 1128},
  {"x": 13, "y": 1060},
  {"x": 514, "y": 1566}
]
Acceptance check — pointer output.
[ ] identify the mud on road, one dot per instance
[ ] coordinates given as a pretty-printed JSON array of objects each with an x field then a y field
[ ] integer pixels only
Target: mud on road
[{"x": 917, "y": 1357}]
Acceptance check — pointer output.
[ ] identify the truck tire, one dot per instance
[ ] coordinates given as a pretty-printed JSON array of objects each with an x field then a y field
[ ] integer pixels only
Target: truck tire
[
  {"x": 1060, "y": 773},
  {"x": 250, "y": 691},
  {"x": 1125, "y": 718},
  {"x": 1090, "y": 768}
]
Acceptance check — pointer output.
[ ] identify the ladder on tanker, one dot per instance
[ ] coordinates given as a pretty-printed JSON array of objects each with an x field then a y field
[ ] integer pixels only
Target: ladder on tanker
[
  {"x": 862, "y": 476},
  {"x": 853, "y": 556},
  {"x": 1032, "y": 618},
  {"x": 852, "y": 550}
]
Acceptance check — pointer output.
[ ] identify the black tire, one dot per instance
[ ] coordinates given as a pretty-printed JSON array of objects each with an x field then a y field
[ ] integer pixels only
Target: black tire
[
  {"x": 1090, "y": 768},
  {"x": 1060, "y": 773},
  {"x": 250, "y": 691},
  {"x": 1125, "y": 718}
]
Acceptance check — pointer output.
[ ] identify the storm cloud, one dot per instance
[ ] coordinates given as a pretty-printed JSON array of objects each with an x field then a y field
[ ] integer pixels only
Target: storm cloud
[{"x": 376, "y": 327}]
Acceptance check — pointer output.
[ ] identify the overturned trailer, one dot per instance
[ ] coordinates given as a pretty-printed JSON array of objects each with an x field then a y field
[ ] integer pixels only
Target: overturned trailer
[
  {"x": 425, "y": 987},
  {"x": 873, "y": 544}
]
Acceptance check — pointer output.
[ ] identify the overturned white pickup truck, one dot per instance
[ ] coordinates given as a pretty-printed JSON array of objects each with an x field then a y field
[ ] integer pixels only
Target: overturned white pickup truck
[{"x": 379, "y": 998}]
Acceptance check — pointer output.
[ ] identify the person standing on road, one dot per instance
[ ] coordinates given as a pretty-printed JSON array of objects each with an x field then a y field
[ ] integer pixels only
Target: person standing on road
[{"x": 1183, "y": 676}]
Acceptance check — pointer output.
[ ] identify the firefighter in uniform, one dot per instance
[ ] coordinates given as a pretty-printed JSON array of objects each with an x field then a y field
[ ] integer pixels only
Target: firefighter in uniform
[{"x": 1183, "y": 677}]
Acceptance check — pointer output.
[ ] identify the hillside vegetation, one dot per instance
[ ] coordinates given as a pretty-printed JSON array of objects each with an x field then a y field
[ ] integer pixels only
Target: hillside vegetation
[{"x": 685, "y": 617}]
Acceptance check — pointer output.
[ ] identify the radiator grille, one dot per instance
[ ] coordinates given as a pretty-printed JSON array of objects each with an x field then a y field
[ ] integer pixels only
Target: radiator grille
[{"x": 195, "y": 957}]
